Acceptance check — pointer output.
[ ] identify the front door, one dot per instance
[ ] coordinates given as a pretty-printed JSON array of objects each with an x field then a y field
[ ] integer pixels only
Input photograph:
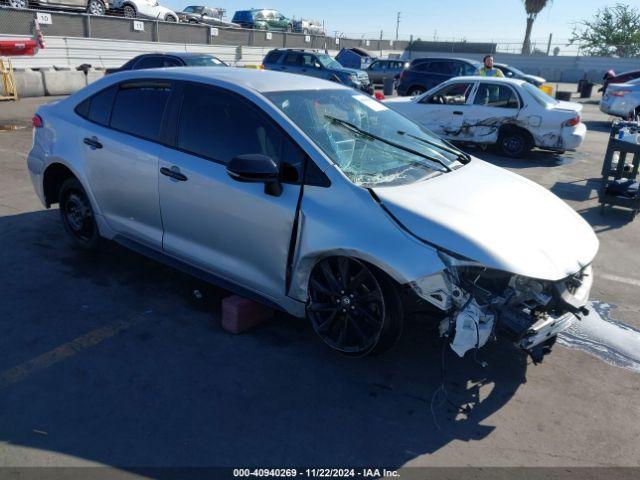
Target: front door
[
  {"x": 234, "y": 230},
  {"x": 121, "y": 153},
  {"x": 444, "y": 111}
]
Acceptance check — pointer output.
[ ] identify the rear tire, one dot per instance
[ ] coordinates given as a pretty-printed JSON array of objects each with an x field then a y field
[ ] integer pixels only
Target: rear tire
[
  {"x": 129, "y": 11},
  {"x": 514, "y": 143},
  {"x": 415, "y": 91},
  {"x": 77, "y": 215},
  {"x": 170, "y": 18},
  {"x": 18, "y": 3},
  {"x": 354, "y": 308}
]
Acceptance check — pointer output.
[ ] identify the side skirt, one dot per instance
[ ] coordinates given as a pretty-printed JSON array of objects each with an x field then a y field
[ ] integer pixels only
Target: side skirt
[{"x": 206, "y": 276}]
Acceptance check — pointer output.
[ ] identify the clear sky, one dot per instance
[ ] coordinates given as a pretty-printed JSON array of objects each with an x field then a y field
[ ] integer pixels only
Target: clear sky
[{"x": 502, "y": 20}]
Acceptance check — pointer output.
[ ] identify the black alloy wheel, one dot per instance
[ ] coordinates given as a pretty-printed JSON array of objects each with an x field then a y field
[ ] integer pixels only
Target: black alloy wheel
[{"x": 352, "y": 308}]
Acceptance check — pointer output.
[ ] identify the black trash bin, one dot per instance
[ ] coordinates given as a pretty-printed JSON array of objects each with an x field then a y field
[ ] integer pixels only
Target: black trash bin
[{"x": 587, "y": 89}]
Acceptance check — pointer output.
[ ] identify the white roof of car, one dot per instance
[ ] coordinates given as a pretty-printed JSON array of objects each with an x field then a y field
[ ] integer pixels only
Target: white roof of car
[
  {"x": 477, "y": 78},
  {"x": 248, "y": 78}
]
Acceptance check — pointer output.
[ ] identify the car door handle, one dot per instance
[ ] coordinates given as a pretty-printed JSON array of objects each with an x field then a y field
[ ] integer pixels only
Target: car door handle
[
  {"x": 458, "y": 112},
  {"x": 92, "y": 142},
  {"x": 169, "y": 172}
]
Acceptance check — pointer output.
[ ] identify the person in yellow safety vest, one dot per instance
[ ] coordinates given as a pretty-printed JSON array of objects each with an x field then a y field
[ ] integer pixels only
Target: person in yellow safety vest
[{"x": 488, "y": 70}]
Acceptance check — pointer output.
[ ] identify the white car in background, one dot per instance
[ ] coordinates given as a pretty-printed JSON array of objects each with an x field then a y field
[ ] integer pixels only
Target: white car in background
[
  {"x": 145, "y": 9},
  {"x": 512, "y": 114}
]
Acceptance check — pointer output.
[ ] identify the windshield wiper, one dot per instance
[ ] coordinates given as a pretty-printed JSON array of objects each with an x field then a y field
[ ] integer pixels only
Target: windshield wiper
[
  {"x": 459, "y": 154},
  {"x": 364, "y": 133}
]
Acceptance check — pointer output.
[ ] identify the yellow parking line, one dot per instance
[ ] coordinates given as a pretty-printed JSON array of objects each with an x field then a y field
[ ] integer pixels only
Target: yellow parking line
[{"x": 69, "y": 349}]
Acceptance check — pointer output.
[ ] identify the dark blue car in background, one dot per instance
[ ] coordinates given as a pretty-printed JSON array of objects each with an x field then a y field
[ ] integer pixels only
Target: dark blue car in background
[
  {"x": 425, "y": 73},
  {"x": 316, "y": 64}
]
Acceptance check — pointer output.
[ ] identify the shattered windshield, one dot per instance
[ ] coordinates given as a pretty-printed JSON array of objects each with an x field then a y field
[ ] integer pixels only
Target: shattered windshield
[{"x": 372, "y": 144}]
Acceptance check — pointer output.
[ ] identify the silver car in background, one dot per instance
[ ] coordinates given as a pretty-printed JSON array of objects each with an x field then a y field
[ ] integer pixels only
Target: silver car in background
[
  {"x": 622, "y": 99},
  {"x": 92, "y": 7},
  {"x": 315, "y": 199},
  {"x": 308, "y": 27}
]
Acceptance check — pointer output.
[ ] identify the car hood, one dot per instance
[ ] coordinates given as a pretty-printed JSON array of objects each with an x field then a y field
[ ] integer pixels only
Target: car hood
[
  {"x": 350, "y": 71},
  {"x": 535, "y": 78},
  {"x": 496, "y": 218}
]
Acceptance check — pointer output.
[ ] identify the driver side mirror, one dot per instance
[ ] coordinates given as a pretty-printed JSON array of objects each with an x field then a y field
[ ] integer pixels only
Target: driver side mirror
[{"x": 256, "y": 168}]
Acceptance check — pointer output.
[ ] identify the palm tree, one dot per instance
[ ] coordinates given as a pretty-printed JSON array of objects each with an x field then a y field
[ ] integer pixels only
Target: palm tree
[{"x": 533, "y": 8}]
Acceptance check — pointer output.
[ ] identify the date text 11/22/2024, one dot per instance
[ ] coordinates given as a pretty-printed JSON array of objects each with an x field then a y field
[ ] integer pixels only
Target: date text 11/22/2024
[{"x": 316, "y": 472}]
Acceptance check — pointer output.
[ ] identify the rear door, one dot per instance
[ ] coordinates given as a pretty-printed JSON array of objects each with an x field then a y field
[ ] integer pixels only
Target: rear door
[
  {"x": 122, "y": 151},
  {"x": 232, "y": 229},
  {"x": 493, "y": 105},
  {"x": 291, "y": 62}
]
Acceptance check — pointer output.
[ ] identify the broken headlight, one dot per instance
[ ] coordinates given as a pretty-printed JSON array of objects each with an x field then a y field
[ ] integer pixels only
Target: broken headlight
[{"x": 573, "y": 291}]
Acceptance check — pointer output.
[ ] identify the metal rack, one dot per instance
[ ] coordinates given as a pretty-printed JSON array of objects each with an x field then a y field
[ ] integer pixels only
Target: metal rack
[{"x": 625, "y": 169}]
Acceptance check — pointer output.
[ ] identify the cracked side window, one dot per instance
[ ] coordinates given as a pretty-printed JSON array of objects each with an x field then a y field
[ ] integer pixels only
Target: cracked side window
[{"x": 495, "y": 95}]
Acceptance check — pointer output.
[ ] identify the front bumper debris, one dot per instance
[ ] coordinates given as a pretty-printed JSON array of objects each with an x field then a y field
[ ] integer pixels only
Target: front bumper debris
[{"x": 482, "y": 305}]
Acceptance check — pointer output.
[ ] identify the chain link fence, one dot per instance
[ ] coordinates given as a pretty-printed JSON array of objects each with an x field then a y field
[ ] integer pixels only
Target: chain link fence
[{"x": 64, "y": 24}]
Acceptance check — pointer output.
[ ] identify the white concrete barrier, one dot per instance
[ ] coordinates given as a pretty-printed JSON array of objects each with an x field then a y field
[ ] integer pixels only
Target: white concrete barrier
[
  {"x": 93, "y": 75},
  {"x": 63, "y": 82},
  {"x": 28, "y": 83}
]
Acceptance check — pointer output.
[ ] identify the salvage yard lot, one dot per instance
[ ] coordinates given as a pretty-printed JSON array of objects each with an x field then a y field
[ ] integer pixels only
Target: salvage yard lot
[{"x": 113, "y": 359}]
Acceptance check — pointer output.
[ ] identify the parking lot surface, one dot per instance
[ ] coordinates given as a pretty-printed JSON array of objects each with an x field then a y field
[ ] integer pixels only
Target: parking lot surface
[{"x": 113, "y": 359}]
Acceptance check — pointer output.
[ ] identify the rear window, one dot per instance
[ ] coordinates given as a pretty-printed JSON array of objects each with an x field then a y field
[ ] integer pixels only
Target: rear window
[
  {"x": 98, "y": 107},
  {"x": 204, "y": 61},
  {"x": 139, "y": 107},
  {"x": 273, "y": 56},
  {"x": 242, "y": 16}
]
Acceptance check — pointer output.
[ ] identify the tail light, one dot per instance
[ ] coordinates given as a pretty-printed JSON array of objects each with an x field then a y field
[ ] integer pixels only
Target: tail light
[
  {"x": 36, "y": 121},
  {"x": 379, "y": 95},
  {"x": 619, "y": 93},
  {"x": 572, "y": 122},
  {"x": 402, "y": 74}
]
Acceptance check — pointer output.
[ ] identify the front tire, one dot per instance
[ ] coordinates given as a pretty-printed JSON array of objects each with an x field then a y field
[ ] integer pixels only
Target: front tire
[
  {"x": 77, "y": 215},
  {"x": 415, "y": 91},
  {"x": 355, "y": 309},
  {"x": 514, "y": 143},
  {"x": 170, "y": 18},
  {"x": 96, "y": 7}
]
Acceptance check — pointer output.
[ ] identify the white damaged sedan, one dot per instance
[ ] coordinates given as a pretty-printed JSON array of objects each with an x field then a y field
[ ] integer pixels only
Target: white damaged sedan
[
  {"x": 315, "y": 199},
  {"x": 512, "y": 114}
]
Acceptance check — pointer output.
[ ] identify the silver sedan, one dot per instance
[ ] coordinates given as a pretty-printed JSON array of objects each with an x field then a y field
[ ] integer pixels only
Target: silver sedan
[
  {"x": 622, "y": 99},
  {"x": 315, "y": 199}
]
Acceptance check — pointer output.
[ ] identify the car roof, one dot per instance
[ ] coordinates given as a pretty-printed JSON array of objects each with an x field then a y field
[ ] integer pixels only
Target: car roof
[
  {"x": 475, "y": 78},
  {"x": 177, "y": 54},
  {"x": 468, "y": 60},
  {"x": 261, "y": 81}
]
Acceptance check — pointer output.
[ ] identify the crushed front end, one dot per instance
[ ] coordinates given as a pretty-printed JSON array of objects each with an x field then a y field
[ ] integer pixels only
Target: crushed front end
[{"x": 481, "y": 304}]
